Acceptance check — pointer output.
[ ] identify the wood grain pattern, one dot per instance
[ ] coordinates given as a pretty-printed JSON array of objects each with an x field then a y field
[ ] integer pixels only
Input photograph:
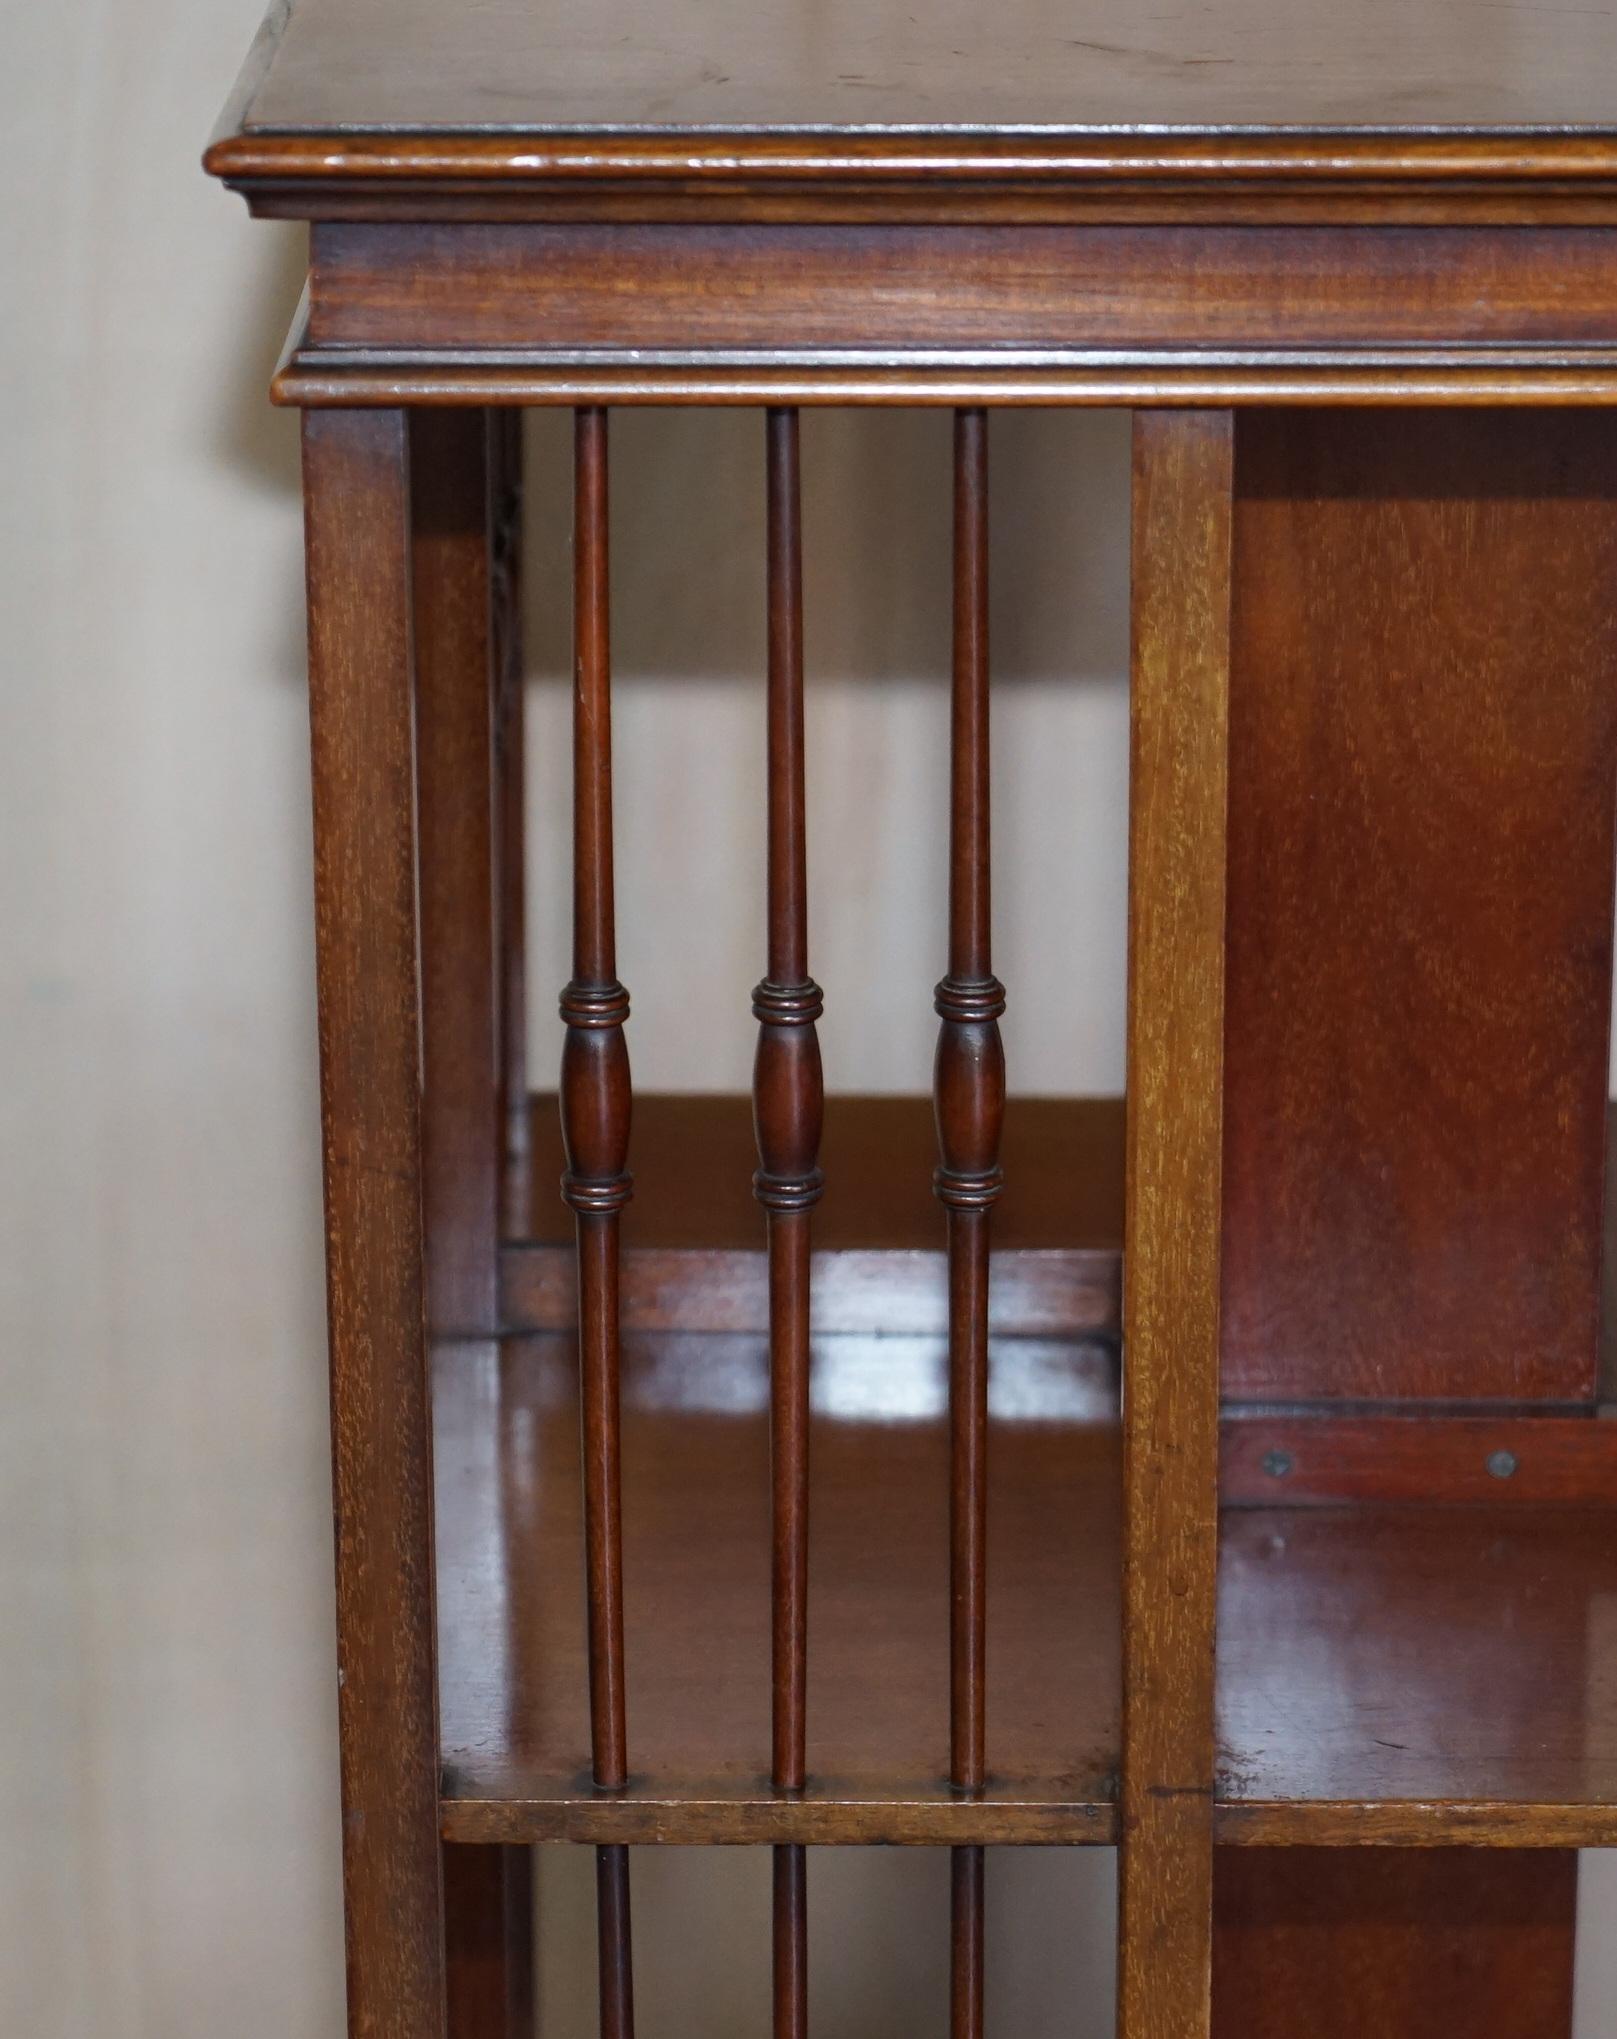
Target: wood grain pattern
[
  {"x": 1183, "y": 479},
  {"x": 510, "y": 779},
  {"x": 356, "y": 478},
  {"x": 1414, "y": 1654},
  {"x": 693, "y": 1151},
  {"x": 1401, "y": 1945},
  {"x": 788, "y": 1109},
  {"x": 692, "y": 1261},
  {"x": 969, "y": 1091},
  {"x": 629, "y": 64},
  {"x": 959, "y": 288},
  {"x": 1423, "y": 757},
  {"x": 1362, "y": 378},
  {"x": 595, "y": 1101},
  {"x": 488, "y": 1935},
  {"x": 1323, "y": 1459},
  {"x": 1388, "y": 1676},
  {"x": 696, "y": 1537},
  {"x": 453, "y": 615}
]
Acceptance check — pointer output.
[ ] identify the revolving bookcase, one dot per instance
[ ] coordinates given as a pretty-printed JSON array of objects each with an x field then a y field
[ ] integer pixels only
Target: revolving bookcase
[{"x": 1255, "y": 1516}]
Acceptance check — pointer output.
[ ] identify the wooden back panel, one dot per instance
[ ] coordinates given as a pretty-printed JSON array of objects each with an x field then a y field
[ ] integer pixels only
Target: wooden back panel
[{"x": 1423, "y": 751}]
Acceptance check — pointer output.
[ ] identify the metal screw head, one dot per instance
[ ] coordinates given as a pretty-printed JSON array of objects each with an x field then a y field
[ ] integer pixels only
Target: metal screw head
[
  {"x": 1277, "y": 1464},
  {"x": 1501, "y": 1464}
]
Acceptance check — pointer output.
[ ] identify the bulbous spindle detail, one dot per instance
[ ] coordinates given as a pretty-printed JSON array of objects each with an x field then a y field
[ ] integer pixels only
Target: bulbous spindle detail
[
  {"x": 969, "y": 1094},
  {"x": 788, "y": 1105},
  {"x": 595, "y": 1113}
]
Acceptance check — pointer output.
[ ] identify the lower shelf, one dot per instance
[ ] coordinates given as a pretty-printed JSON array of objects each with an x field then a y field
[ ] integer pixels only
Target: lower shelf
[
  {"x": 1388, "y": 1674},
  {"x": 1419, "y": 1674},
  {"x": 696, "y": 1589}
]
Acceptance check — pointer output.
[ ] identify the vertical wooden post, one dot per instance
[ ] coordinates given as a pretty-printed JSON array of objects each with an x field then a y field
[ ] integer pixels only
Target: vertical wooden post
[
  {"x": 1183, "y": 486},
  {"x": 595, "y": 1105},
  {"x": 453, "y": 593},
  {"x": 969, "y": 1091},
  {"x": 510, "y": 780},
  {"x": 788, "y": 1096},
  {"x": 487, "y": 1891},
  {"x": 357, "y": 508}
]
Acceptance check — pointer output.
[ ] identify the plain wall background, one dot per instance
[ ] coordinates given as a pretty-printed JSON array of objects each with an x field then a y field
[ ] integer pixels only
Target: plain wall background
[{"x": 168, "y": 1828}]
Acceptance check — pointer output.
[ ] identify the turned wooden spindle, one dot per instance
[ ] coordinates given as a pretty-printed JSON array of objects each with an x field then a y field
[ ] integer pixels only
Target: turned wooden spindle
[
  {"x": 595, "y": 1106},
  {"x": 613, "y": 1942},
  {"x": 969, "y": 1091},
  {"x": 788, "y": 1105}
]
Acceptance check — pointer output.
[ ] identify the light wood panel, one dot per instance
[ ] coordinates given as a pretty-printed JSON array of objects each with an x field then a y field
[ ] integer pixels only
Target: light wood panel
[{"x": 1183, "y": 474}]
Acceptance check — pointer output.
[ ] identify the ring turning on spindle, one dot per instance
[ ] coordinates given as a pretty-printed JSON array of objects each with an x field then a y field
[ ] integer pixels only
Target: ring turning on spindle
[
  {"x": 969, "y": 1096},
  {"x": 788, "y": 1105},
  {"x": 595, "y": 1111}
]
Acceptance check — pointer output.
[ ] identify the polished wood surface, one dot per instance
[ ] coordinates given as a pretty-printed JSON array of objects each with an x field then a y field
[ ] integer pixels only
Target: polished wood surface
[
  {"x": 892, "y": 289},
  {"x": 697, "y": 1596},
  {"x": 969, "y": 1094},
  {"x": 1343, "y": 1946},
  {"x": 596, "y": 1184},
  {"x": 788, "y": 1110},
  {"x": 693, "y": 1260},
  {"x": 510, "y": 831},
  {"x": 1388, "y": 1675},
  {"x": 1392, "y": 1216},
  {"x": 488, "y": 1942},
  {"x": 356, "y": 475},
  {"x": 1179, "y": 665},
  {"x": 595, "y": 1103},
  {"x": 1422, "y": 1656},
  {"x": 452, "y": 587},
  {"x": 1423, "y": 754},
  {"x": 1321, "y": 1458},
  {"x": 693, "y": 1162},
  {"x": 630, "y": 65}
]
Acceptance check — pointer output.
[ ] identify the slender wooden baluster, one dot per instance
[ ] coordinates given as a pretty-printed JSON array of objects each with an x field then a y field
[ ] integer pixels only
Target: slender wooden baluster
[
  {"x": 788, "y": 1105},
  {"x": 595, "y": 1102},
  {"x": 1183, "y": 484},
  {"x": 614, "y": 1943},
  {"x": 510, "y": 833},
  {"x": 356, "y": 497},
  {"x": 969, "y": 1089}
]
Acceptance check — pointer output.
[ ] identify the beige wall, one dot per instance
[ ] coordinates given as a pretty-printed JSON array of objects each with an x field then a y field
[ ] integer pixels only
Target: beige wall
[{"x": 167, "y": 1826}]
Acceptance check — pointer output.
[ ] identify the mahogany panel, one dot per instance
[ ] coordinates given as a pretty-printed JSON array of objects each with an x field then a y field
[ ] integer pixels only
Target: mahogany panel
[
  {"x": 1399, "y": 1944},
  {"x": 452, "y": 585},
  {"x": 1423, "y": 751},
  {"x": 701, "y": 286}
]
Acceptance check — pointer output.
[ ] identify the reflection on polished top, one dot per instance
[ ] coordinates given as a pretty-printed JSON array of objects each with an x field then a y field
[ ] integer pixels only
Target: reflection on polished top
[{"x": 868, "y": 65}]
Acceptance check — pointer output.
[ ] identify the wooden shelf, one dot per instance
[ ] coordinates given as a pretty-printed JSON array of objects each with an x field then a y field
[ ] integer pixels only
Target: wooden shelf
[
  {"x": 696, "y": 1571},
  {"x": 1419, "y": 1674},
  {"x": 1387, "y": 1674}
]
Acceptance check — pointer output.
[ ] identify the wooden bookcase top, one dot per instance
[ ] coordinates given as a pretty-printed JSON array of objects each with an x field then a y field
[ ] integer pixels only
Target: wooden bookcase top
[
  {"x": 798, "y": 104},
  {"x": 793, "y": 66}
]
